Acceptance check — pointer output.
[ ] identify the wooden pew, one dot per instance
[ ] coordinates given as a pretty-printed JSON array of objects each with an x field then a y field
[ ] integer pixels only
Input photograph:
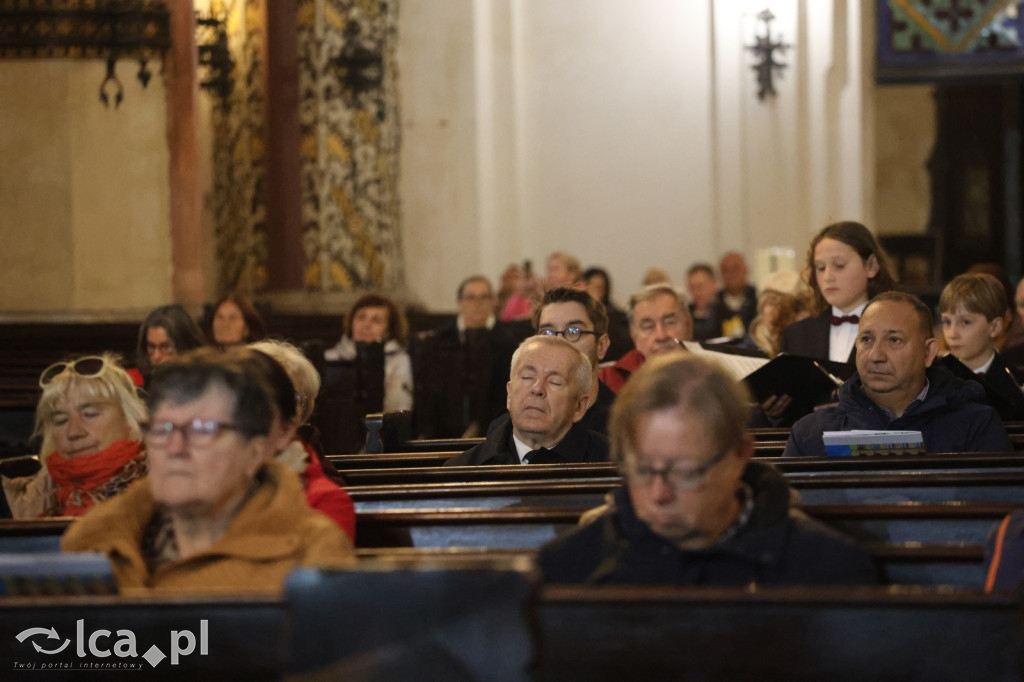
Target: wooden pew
[
  {"x": 243, "y": 636},
  {"x": 529, "y": 527},
  {"x": 766, "y": 438},
  {"x": 776, "y": 633},
  {"x": 943, "y": 523},
  {"x": 361, "y": 470},
  {"x": 767, "y": 442},
  {"x": 766, "y": 435},
  {"x": 928, "y": 523},
  {"x": 770, "y": 454},
  {"x": 839, "y": 488},
  {"x": 594, "y": 632},
  {"x": 901, "y": 562},
  {"x": 395, "y": 461}
]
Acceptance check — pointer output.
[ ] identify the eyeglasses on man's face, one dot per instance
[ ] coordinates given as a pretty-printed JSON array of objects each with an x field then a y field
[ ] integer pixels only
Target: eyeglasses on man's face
[
  {"x": 572, "y": 333},
  {"x": 680, "y": 480}
]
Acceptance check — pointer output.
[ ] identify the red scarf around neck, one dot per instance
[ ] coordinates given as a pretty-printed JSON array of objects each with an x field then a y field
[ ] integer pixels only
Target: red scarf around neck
[{"x": 78, "y": 479}]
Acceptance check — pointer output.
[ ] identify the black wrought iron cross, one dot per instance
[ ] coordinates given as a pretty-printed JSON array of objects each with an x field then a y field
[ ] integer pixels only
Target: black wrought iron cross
[
  {"x": 764, "y": 49},
  {"x": 955, "y": 15}
]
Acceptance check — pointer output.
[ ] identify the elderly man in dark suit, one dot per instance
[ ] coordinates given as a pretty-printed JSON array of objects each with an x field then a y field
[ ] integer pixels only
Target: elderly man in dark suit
[{"x": 548, "y": 394}]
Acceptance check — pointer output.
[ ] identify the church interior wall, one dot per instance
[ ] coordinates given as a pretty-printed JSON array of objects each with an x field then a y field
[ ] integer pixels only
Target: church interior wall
[
  {"x": 84, "y": 194},
  {"x": 629, "y": 134}
]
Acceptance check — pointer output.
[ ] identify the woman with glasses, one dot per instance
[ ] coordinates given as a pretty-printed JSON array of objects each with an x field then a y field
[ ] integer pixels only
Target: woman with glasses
[
  {"x": 695, "y": 508},
  {"x": 217, "y": 513},
  {"x": 89, "y": 417},
  {"x": 166, "y": 332}
]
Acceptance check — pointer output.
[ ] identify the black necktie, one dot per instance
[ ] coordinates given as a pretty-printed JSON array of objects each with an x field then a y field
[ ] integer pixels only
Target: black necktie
[
  {"x": 541, "y": 456},
  {"x": 836, "y": 321}
]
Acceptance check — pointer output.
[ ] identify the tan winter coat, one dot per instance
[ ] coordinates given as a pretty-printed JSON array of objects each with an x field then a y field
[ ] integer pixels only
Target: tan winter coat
[{"x": 274, "y": 532}]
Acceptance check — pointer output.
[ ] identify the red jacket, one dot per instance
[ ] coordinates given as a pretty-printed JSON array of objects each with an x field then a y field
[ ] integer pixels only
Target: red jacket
[
  {"x": 615, "y": 376},
  {"x": 327, "y": 498}
]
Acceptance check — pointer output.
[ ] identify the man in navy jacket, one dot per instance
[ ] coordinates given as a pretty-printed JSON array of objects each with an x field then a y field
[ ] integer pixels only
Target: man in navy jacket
[{"x": 897, "y": 388}]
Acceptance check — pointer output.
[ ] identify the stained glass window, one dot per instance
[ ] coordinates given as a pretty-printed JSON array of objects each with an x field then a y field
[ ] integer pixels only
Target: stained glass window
[{"x": 930, "y": 40}]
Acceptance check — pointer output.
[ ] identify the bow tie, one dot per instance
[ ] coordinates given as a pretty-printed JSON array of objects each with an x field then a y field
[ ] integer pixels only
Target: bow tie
[
  {"x": 542, "y": 456},
  {"x": 852, "y": 319}
]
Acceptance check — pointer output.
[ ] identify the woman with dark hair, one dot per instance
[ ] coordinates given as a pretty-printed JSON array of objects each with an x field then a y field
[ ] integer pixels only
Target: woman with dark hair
[
  {"x": 377, "y": 319},
  {"x": 599, "y": 286},
  {"x": 846, "y": 268},
  {"x": 166, "y": 332},
  {"x": 236, "y": 322}
]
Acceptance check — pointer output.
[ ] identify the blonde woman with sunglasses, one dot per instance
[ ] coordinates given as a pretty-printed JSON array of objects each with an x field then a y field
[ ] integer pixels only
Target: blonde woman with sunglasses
[{"x": 89, "y": 417}]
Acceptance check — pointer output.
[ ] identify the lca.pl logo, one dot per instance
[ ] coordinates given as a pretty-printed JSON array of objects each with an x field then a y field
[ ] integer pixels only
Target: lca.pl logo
[{"x": 98, "y": 644}]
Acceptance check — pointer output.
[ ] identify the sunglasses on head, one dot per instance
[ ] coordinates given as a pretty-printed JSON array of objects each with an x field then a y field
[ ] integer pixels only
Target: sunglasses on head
[{"x": 89, "y": 366}]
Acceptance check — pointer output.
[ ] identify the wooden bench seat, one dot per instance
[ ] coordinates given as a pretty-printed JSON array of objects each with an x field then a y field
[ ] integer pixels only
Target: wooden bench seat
[
  {"x": 838, "y": 488},
  {"x": 798, "y": 633},
  {"x": 393, "y": 469},
  {"x": 364, "y": 467},
  {"x": 591, "y": 632},
  {"x": 243, "y": 636},
  {"x": 943, "y": 523},
  {"x": 950, "y": 525},
  {"x": 770, "y": 438},
  {"x": 913, "y": 563},
  {"x": 530, "y": 525}
]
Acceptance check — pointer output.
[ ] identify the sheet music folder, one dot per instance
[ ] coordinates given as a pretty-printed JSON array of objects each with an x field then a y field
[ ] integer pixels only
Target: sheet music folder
[{"x": 807, "y": 381}]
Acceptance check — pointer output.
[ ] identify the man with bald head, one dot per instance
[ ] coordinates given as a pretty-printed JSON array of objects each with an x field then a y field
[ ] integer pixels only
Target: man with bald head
[
  {"x": 897, "y": 388},
  {"x": 548, "y": 393}
]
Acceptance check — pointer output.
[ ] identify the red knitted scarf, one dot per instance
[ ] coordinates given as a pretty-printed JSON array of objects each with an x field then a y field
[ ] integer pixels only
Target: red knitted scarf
[{"x": 80, "y": 480}]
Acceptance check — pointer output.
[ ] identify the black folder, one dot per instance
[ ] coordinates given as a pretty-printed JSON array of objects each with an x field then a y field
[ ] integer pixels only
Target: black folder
[{"x": 807, "y": 381}]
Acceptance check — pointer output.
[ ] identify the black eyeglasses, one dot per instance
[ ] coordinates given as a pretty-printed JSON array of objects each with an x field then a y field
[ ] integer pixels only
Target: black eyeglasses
[
  {"x": 681, "y": 480},
  {"x": 89, "y": 366},
  {"x": 198, "y": 432},
  {"x": 570, "y": 333},
  {"x": 165, "y": 347}
]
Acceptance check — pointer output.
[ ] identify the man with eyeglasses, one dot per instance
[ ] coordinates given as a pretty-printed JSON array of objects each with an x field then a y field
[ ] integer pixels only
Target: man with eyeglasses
[
  {"x": 460, "y": 367},
  {"x": 658, "y": 320},
  {"x": 582, "y": 321},
  {"x": 548, "y": 393},
  {"x": 695, "y": 509}
]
